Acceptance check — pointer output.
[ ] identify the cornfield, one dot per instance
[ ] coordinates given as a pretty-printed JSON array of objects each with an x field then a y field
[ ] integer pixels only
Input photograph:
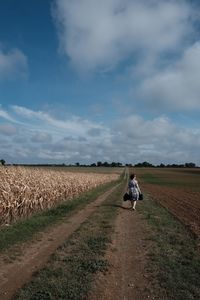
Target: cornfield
[{"x": 24, "y": 191}]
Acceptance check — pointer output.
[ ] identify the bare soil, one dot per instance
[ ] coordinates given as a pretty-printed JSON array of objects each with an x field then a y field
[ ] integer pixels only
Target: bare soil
[
  {"x": 182, "y": 203},
  {"x": 127, "y": 277}
]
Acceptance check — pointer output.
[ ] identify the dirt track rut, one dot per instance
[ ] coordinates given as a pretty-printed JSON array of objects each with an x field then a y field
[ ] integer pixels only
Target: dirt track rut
[
  {"x": 127, "y": 278},
  {"x": 14, "y": 275}
]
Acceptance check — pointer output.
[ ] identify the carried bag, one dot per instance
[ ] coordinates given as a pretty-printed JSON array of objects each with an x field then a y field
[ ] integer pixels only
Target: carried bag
[
  {"x": 126, "y": 197},
  {"x": 140, "y": 196}
]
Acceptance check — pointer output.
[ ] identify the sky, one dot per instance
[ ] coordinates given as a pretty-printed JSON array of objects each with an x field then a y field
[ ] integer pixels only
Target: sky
[{"x": 111, "y": 80}]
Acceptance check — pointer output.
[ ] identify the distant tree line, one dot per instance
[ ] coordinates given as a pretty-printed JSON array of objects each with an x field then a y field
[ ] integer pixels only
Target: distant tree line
[
  {"x": 101, "y": 164},
  {"x": 144, "y": 164}
]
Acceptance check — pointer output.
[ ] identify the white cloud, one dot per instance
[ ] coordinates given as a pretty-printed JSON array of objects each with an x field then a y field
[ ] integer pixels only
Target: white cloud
[
  {"x": 13, "y": 64},
  {"x": 176, "y": 87},
  {"x": 41, "y": 137},
  {"x": 5, "y": 115},
  {"x": 7, "y": 129},
  {"x": 102, "y": 33},
  {"x": 157, "y": 140},
  {"x": 136, "y": 127},
  {"x": 155, "y": 36},
  {"x": 130, "y": 139},
  {"x": 74, "y": 126}
]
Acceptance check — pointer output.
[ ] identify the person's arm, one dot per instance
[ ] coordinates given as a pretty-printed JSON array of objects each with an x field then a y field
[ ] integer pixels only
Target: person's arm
[
  {"x": 138, "y": 188},
  {"x": 127, "y": 189}
]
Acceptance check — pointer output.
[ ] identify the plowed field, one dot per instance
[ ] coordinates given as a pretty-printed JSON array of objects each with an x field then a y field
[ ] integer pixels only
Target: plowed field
[{"x": 178, "y": 190}]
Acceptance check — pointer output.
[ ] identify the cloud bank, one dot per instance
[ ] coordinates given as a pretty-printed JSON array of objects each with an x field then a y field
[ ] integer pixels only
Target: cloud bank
[
  {"x": 178, "y": 85},
  {"x": 102, "y": 33},
  {"x": 156, "y": 39},
  {"x": 32, "y": 137}
]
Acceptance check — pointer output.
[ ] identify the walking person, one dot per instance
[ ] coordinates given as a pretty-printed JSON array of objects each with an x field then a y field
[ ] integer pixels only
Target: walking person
[{"x": 134, "y": 190}]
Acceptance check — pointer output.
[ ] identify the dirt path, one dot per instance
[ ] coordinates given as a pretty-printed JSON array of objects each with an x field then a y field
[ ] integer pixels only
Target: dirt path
[
  {"x": 15, "y": 274},
  {"x": 127, "y": 278}
]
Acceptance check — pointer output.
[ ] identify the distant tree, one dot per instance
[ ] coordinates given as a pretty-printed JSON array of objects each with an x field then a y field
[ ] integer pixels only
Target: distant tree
[
  {"x": 190, "y": 165},
  {"x": 175, "y": 166},
  {"x": 99, "y": 164},
  {"x": 129, "y": 165},
  {"x": 93, "y": 165},
  {"x": 145, "y": 164},
  {"x": 3, "y": 162},
  {"x": 116, "y": 164},
  {"x": 161, "y": 165},
  {"x": 78, "y": 164}
]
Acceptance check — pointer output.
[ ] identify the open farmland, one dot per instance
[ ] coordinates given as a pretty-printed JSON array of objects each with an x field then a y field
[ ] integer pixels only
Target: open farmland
[
  {"x": 178, "y": 190},
  {"x": 96, "y": 247},
  {"x": 24, "y": 191}
]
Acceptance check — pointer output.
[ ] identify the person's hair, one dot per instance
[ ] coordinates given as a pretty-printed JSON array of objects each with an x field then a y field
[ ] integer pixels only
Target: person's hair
[{"x": 132, "y": 176}]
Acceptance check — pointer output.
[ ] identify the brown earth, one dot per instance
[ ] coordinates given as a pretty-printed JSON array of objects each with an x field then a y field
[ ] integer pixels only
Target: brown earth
[
  {"x": 14, "y": 274},
  {"x": 182, "y": 203},
  {"x": 127, "y": 277}
]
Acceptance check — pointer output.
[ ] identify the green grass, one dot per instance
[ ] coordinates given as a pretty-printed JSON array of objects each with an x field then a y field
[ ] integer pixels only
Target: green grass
[
  {"x": 189, "y": 171},
  {"x": 175, "y": 255},
  {"x": 70, "y": 272},
  {"x": 170, "y": 180},
  {"x": 150, "y": 178},
  {"x": 24, "y": 230},
  {"x": 161, "y": 180}
]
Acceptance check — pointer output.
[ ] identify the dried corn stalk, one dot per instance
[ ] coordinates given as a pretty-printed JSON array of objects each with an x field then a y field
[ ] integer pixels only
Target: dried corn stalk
[{"x": 24, "y": 191}]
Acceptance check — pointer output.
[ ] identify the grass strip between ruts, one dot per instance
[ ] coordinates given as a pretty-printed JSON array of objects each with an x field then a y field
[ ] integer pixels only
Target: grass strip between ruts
[
  {"x": 24, "y": 230},
  {"x": 70, "y": 272},
  {"x": 175, "y": 255}
]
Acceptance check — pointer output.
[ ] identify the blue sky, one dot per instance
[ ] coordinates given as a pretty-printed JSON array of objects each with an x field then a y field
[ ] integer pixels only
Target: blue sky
[{"x": 111, "y": 80}]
